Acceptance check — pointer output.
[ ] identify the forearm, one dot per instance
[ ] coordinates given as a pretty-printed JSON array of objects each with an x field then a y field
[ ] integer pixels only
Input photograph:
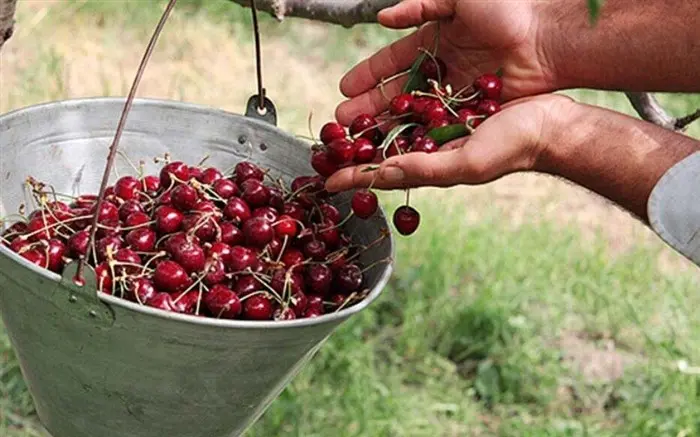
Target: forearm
[
  {"x": 613, "y": 155},
  {"x": 649, "y": 45}
]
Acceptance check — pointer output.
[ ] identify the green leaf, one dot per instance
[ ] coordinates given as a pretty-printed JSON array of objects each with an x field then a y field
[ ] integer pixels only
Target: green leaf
[
  {"x": 594, "y": 10},
  {"x": 445, "y": 134},
  {"x": 395, "y": 132},
  {"x": 416, "y": 79}
]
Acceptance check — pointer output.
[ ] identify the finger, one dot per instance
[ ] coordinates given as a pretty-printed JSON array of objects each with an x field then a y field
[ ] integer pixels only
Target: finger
[
  {"x": 442, "y": 169},
  {"x": 390, "y": 60},
  {"x": 411, "y": 13},
  {"x": 372, "y": 102}
]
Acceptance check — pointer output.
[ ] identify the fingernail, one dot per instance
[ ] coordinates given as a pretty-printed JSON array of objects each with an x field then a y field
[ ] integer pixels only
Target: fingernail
[{"x": 393, "y": 174}]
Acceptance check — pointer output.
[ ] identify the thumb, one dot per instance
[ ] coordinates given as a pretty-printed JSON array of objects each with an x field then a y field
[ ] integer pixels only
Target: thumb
[{"x": 410, "y": 13}]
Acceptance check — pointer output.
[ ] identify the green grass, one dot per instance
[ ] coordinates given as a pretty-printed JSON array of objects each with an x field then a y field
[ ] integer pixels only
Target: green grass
[{"x": 464, "y": 342}]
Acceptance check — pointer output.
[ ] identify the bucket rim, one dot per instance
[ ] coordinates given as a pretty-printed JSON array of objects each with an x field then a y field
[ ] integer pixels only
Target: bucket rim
[{"x": 339, "y": 316}]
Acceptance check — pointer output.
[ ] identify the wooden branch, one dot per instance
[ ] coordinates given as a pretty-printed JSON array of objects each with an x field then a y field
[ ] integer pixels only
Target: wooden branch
[
  {"x": 7, "y": 21},
  {"x": 346, "y": 13},
  {"x": 650, "y": 109}
]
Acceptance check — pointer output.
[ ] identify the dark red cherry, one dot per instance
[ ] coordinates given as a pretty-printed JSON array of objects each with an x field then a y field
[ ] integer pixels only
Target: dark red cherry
[
  {"x": 171, "y": 277},
  {"x": 257, "y": 307},
  {"x": 341, "y": 152},
  {"x": 127, "y": 188},
  {"x": 488, "y": 107},
  {"x": 489, "y": 85},
  {"x": 172, "y": 172},
  {"x": 364, "y": 203},
  {"x": 247, "y": 170},
  {"x": 225, "y": 188},
  {"x": 331, "y": 132},
  {"x": 425, "y": 145},
  {"x": 365, "y": 151},
  {"x": 237, "y": 210},
  {"x": 323, "y": 164},
  {"x": 222, "y": 302},
  {"x": 401, "y": 104},
  {"x": 406, "y": 220}
]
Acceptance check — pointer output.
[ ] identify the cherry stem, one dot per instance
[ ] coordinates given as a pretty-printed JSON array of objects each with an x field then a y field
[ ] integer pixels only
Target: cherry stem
[
  {"x": 376, "y": 263},
  {"x": 346, "y": 301}
]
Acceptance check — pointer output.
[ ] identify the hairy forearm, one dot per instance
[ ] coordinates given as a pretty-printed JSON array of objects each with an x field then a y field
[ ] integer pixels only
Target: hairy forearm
[
  {"x": 616, "y": 156},
  {"x": 649, "y": 45}
]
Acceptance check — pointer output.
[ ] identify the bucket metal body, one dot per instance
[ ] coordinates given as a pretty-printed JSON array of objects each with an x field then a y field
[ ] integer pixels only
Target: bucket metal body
[{"x": 102, "y": 366}]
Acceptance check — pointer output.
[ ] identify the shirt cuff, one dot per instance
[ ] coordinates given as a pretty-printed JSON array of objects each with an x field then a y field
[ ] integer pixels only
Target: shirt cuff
[{"x": 674, "y": 207}]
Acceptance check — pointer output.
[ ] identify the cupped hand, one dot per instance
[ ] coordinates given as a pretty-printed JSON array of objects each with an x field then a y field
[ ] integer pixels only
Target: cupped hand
[
  {"x": 510, "y": 141},
  {"x": 475, "y": 37}
]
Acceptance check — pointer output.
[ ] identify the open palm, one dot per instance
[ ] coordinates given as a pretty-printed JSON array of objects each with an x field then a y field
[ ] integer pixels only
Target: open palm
[{"x": 475, "y": 37}]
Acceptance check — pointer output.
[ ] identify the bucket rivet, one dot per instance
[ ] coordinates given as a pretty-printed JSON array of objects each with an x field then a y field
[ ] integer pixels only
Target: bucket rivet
[
  {"x": 72, "y": 299},
  {"x": 263, "y": 146},
  {"x": 242, "y": 139},
  {"x": 93, "y": 314}
]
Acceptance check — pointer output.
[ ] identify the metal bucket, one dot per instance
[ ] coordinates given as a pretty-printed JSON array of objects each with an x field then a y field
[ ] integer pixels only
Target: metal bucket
[{"x": 99, "y": 366}]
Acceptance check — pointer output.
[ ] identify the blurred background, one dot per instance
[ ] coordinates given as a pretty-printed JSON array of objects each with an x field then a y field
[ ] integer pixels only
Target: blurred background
[{"x": 528, "y": 307}]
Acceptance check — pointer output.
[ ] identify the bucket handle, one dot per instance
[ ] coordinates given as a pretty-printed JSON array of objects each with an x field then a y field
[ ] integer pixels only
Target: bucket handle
[
  {"x": 77, "y": 294},
  {"x": 260, "y": 106}
]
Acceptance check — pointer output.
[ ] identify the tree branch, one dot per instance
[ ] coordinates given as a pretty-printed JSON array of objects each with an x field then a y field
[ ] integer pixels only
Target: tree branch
[
  {"x": 7, "y": 13},
  {"x": 651, "y": 110},
  {"x": 347, "y": 13}
]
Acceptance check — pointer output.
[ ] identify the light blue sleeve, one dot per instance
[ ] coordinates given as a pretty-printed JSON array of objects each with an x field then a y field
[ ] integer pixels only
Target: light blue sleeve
[{"x": 674, "y": 207}]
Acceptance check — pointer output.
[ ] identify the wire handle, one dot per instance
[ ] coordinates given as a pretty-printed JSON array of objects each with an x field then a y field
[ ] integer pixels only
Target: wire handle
[{"x": 260, "y": 106}]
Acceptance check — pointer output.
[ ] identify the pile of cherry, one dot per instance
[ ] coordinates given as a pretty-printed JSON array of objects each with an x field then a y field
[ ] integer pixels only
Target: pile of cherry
[
  {"x": 193, "y": 240},
  {"x": 420, "y": 120}
]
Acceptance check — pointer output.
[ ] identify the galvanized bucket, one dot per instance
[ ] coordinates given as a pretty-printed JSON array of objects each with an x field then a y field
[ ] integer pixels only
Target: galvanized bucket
[{"x": 99, "y": 366}]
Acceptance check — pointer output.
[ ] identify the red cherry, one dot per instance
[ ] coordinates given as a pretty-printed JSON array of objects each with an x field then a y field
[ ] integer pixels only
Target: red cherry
[
  {"x": 220, "y": 251},
  {"x": 257, "y": 307},
  {"x": 225, "y": 188},
  {"x": 150, "y": 185},
  {"x": 364, "y": 203},
  {"x": 341, "y": 152},
  {"x": 425, "y": 145},
  {"x": 103, "y": 277},
  {"x": 294, "y": 210},
  {"x": 246, "y": 170},
  {"x": 141, "y": 240},
  {"x": 282, "y": 281},
  {"x": 108, "y": 245},
  {"x": 209, "y": 176},
  {"x": 255, "y": 193},
  {"x": 286, "y": 227},
  {"x": 266, "y": 212},
  {"x": 108, "y": 215},
  {"x": 130, "y": 259},
  {"x": 489, "y": 85},
  {"x": 36, "y": 256},
  {"x": 78, "y": 243},
  {"x": 406, "y": 220},
  {"x": 168, "y": 219},
  {"x": 230, "y": 234},
  {"x": 140, "y": 290},
  {"x": 127, "y": 188},
  {"x": 184, "y": 197},
  {"x": 398, "y": 147},
  {"x": 401, "y": 104},
  {"x": 136, "y": 219},
  {"x": 246, "y": 285},
  {"x": 319, "y": 278},
  {"x": 331, "y": 132},
  {"x": 172, "y": 172},
  {"x": 188, "y": 254},
  {"x": 171, "y": 277},
  {"x": 222, "y": 302},
  {"x": 57, "y": 250},
  {"x": 365, "y": 151},
  {"x": 436, "y": 124},
  {"x": 315, "y": 249},
  {"x": 364, "y": 124},
  {"x": 165, "y": 198},
  {"x": 162, "y": 301},
  {"x": 241, "y": 259},
  {"x": 488, "y": 107},
  {"x": 41, "y": 227},
  {"x": 276, "y": 197},
  {"x": 195, "y": 173},
  {"x": 436, "y": 111},
  {"x": 465, "y": 115},
  {"x": 202, "y": 225},
  {"x": 322, "y": 163},
  {"x": 258, "y": 232},
  {"x": 292, "y": 257},
  {"x": 349, "y": 278},
  {"x": 129, "y": 207},
  {"x": 330, "y": 213},
  {"x": 216, "y": 272},
  {"x": 237, "y": 209}
]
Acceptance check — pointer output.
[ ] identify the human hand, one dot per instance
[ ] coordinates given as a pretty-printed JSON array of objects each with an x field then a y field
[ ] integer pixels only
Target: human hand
[
  {"x": 509, "y": 141},
  {"x": 475, "y": 37}
]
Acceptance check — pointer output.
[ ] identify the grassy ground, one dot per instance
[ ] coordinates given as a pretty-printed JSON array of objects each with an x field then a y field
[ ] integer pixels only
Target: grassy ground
[{"x": 525, "y": 308}]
